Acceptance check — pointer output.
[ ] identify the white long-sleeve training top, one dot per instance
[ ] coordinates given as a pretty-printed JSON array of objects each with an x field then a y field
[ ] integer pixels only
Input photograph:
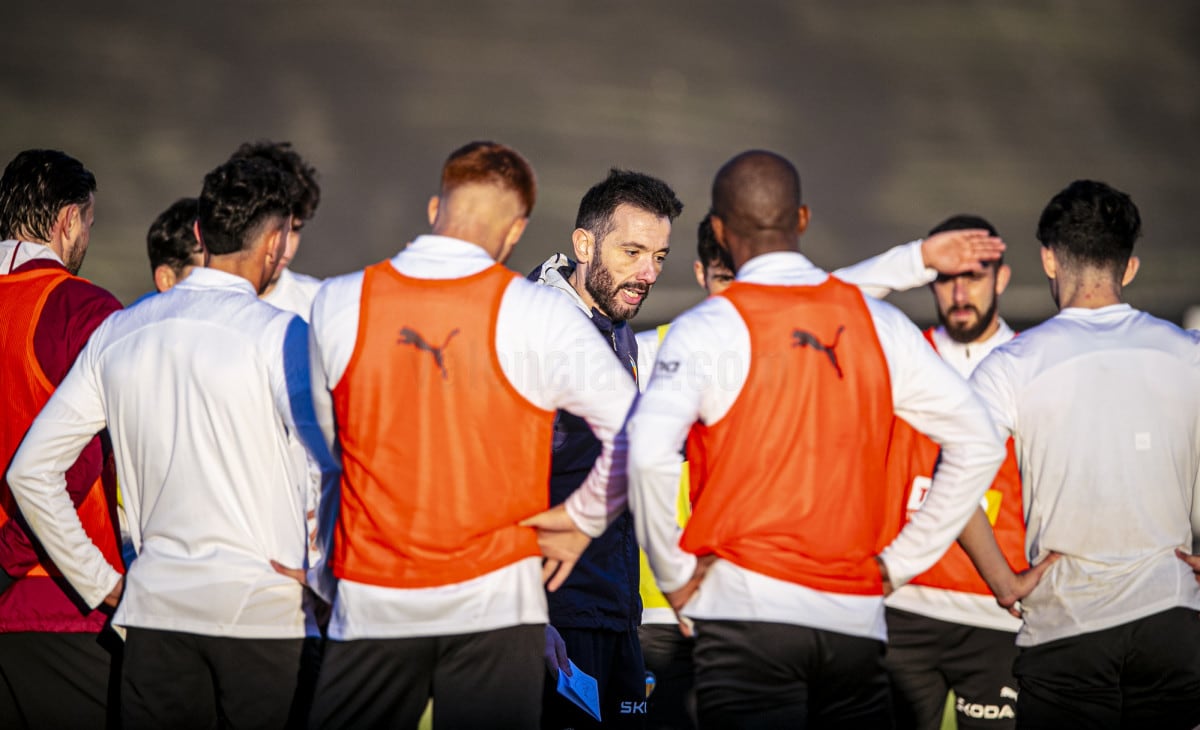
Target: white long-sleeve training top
[
  {"x": 555, "y": 358},
  {"x": 203, "y": 390},
  {"x": 711, "y": 345},
  {"x": 1104, "y": 409}
]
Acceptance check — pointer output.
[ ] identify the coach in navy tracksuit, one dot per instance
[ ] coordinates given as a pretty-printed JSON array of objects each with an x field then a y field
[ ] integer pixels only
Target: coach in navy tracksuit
[{"x": 620, "y": 242}]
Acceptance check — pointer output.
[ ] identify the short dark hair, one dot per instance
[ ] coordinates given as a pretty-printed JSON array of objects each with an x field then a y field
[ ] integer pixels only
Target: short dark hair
[
  {"x": 171, "y": 240},
  {"x": 708, "y": 250},
  {"x": 237, "y": 197},
  {"x": 304, "y": 190},
  {"x": 494, "y": 164},
  {"x": 965, "y": 222},
  {"x": 36, "y": 185},
  {"x": 624, "y": 187},
  {"x": 1091, "y": 223}
]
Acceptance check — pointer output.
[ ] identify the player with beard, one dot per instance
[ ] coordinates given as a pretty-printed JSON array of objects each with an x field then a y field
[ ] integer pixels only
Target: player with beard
[
  {"x": 57, "y": 660},
  {"x": 945, "y": 630},
  {"x": 968, "y": 303},
  {"x": 620, "y": 243}
]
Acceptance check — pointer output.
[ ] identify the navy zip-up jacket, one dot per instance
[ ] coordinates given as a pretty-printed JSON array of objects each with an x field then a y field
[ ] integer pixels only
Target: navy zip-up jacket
[{"x": 602, "y": 590}]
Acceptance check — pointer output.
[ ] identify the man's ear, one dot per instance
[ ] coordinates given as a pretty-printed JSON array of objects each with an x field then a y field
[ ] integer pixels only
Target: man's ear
[
  {"x": 698, "y": 270},
  {"x": 75, "y": 217},
  {"x": 1049, "y": 263},
  {"x": 1003, "y": 276},
  {"x": 67, "y": 223},
  {"x": 583, "y": 243},
  {"x": 164, "y": 277},
  {"x": 275, "y": 242},
  {"x": 802, "y": 220},
  {"x": 1131, "y": 269},
  {"x": 431, "y": 210},
  {"x": 515, "y": 231},
  {"x": 205, "y": 255},
  {"x": 718, "y": 227}
]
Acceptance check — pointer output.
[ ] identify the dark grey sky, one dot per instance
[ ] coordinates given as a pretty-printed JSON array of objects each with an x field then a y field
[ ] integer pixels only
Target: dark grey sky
[{"x": 897, "y": 115}]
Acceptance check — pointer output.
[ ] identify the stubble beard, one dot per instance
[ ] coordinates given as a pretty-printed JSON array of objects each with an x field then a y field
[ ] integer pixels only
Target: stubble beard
[
  {"x": 74, "y": 260},
  {"x": 606, "y": 293},
  {"x": 968, "y": 333}
]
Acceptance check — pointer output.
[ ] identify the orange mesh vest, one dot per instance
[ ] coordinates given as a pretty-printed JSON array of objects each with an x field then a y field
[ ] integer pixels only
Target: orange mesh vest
[
  {"x": 790, "y": 482},
  {"x": 441, "y": 456},
  {"x": 26, "y": 390},
  {"x": 912, "y": 463}
]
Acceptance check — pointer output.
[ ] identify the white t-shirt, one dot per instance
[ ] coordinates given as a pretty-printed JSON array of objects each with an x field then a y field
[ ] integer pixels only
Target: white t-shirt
[{"x": 1104, "y": 409}]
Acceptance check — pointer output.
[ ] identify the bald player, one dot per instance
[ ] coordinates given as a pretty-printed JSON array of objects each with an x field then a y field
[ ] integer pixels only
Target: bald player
[
  {"x": 945, "y": 253},
  {"x": 787, "y": 383}
]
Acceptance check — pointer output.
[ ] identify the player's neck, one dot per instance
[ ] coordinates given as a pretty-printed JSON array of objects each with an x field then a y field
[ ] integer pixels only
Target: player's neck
[
  {"x": 270, "y": 288},
  {"x": 1087, "y": 292}
]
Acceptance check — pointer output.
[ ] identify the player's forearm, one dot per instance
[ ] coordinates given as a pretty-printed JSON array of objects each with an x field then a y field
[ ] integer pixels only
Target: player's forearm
[
  {"x": 898, "y": 269},
  {"x": 17, "y": 554},
  {"x": 604, "y": 401},
  {"x": 654, "y": 469},
  {"x": 603, "y": 494},
  {"x": 43, "y": 499},
  {"x": 966, "y": 470},
  {"x": 37, "y": 478},
  {"x": 979, "y": 543}
]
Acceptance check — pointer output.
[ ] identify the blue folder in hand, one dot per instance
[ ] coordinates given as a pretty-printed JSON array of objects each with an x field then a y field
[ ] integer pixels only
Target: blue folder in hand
[{"x": 581, "y": 689}]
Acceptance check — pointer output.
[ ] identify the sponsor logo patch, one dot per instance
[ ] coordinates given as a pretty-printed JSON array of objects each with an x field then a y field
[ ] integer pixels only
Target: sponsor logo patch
[
  {"x": 633, "y": 707},
  {"x": 984, "y": 712}
]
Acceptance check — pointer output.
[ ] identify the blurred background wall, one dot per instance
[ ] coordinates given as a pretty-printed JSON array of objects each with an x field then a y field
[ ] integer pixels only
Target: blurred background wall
[{"x": 897, "y": 115}]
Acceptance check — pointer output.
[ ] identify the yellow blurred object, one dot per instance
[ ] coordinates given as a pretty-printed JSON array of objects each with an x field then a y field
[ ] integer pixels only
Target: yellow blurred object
[
  {"x": 651, "y": 596},
  {"x": 991, "y": 504}
]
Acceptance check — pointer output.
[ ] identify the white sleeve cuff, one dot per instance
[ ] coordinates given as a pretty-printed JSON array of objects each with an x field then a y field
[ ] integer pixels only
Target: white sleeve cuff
[
  {"x": 922, "y": 274},
  {"x": 592, "y": 521}
]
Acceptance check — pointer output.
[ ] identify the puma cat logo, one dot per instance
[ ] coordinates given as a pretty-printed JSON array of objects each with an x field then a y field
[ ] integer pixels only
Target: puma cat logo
[
  {"x": 802, "y": 338},
  {"x": 409, "y": 336}
]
